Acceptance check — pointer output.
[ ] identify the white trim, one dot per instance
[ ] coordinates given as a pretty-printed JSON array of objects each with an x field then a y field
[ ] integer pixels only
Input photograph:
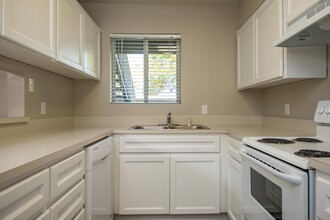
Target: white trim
[{"x": 142, "y": 36}]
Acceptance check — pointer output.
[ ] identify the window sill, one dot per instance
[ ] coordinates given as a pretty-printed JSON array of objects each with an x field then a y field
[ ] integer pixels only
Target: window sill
[{"x": 13, "y": 120}]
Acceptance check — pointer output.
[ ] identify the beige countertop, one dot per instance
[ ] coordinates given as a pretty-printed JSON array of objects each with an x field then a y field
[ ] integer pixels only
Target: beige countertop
[
  {"x": 24, "y": 153},
  {"x": 29, "y": 152},
  {"x": 321, "y": 164}
]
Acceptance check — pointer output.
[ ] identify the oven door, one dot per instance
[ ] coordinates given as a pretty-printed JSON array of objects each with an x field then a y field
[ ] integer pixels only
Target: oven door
[{"x": 272, "y": 189}]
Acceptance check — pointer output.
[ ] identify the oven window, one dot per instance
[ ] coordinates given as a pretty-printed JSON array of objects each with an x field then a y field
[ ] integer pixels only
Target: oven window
[{"x": 267, "y": 194}]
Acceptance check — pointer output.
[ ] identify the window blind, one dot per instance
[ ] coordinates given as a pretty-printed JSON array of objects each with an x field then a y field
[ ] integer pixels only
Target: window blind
[{"x": 145, "y": 69}]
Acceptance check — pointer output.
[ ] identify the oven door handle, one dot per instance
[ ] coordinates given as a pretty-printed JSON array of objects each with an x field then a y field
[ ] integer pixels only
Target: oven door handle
[{"x": 289, "y": 178}]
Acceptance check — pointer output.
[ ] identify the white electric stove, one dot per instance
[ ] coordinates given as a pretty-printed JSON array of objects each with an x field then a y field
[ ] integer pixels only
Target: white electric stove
[{"x": 277, "y": 181}]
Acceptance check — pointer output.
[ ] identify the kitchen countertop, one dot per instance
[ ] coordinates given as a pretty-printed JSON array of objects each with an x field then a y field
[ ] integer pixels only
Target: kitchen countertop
[
  {"x": 321, "y": 164},
  {"x": 29, "y": 152}
]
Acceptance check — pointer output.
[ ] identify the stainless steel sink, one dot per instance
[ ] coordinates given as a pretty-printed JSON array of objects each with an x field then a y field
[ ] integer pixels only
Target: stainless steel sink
[{"x": 174, "y": 126}]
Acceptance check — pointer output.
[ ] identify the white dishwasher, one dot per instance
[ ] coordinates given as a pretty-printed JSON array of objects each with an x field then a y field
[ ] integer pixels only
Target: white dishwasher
[{"x": 98, "y": 180}]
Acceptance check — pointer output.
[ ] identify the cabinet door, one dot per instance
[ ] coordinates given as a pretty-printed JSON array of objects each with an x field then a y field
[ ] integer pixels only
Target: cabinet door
[
  {"x": 195, "y": 184},
  {"x": 70, "y": 18},
  {"x": 234, "y": 190},
  {"x": 269, "y": 27},
  {"x": 246, "y": 54},
  {"x": 31, "y": 24},
  {"x": 144, "y": 184},
  {"x": 294, "y": 8},
  {"x": 91, "y": 48},
  {"x": 69, "y": 205},
  {"x": 322, "y": 196},
  {"x": 24, "y": 199}
]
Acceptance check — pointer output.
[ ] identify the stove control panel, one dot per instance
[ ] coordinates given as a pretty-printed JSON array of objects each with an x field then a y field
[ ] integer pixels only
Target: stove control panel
[{"x": 322, "y": 113}]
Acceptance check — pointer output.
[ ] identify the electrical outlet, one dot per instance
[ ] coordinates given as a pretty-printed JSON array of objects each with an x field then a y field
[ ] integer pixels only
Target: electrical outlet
[
  {"x": 204, "y": 109},
  {"x": 43, "y": 108},
  {"x": 287, "y": 109},
  {"x": 31, "y": 85}
]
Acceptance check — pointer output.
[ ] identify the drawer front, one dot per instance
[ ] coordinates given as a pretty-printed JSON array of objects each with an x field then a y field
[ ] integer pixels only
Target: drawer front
[
  {"x": 66, "y": 173},
  {"x": 44, "y": 216},
  {"x": 169, "y": 143},
  {"x": 81, "y": 215},
  {"x": 24, "y": 199},
  {"x": 69, "y": 205},
  {"x": 234, "y": 146}
]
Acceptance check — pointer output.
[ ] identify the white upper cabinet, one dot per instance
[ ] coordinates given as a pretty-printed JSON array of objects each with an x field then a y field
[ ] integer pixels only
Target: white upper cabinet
[
  {"x": 1, "y": 17},
  {"x": 91, "y": 48},
  {"x": 30, "y": 24},
  {"x": 70, "y": 24},
  {"x": 246, "y": 54},
  {"x": 294, "y": 8},
  {"x": 269, "y": 59},
  {"x": 261, "y": 64}
]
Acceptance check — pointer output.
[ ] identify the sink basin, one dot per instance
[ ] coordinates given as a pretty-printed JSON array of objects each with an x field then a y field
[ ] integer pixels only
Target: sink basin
[{"x": 161, "y": 127}]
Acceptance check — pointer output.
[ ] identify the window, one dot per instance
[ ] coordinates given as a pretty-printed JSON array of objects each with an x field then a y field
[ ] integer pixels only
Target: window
[{"x": 145, "y": 69}]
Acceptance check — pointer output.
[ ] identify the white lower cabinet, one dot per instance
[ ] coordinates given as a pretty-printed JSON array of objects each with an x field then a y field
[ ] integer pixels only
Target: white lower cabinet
[
  {"x": 44, "y": 216},
  {"x": 66, "y": 174},
  {"x": 234, "y": 179},
  {"x": 144, "y": 184},
  {"x": 34, "y": 198},
  {"x": 195, "y": 183},
  {"x": 168, "y": 174},
  {"x": 322, "y": 196},
  {"x": 69, "y": 205},
  {"x": 24, "y": 199}
]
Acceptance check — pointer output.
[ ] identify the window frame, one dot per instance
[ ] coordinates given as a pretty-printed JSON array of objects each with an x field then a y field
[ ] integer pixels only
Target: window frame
[{"x": 146, "y": 93}]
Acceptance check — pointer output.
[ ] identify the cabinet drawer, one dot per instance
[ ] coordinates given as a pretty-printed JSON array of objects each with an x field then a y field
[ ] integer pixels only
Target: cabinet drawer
[
  {"x": 81, "y": 215},
  {"x": 169, "y": 143},
  {"x": 69, "y": 205},
  {"x": 24, "y": 199},
  {"x": 234, "y": 146},
  {"x": 66, "y": 173},
  {"x": 44, "y": 216}
]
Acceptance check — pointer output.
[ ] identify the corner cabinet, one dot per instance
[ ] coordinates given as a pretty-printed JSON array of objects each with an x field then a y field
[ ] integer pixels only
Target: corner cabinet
[
  {"x": 169, "y": 174},
  {"x": 274, "y": 65},
  {"x": 55, "y": 35}
]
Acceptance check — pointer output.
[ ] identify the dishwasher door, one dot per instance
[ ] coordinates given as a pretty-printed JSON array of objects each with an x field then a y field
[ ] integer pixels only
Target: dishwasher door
[{"x": 98, "y": 181}]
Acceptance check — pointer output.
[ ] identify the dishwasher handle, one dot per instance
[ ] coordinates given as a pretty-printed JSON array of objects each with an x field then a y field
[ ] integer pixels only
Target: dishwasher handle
[{"x": 286, "y": 177}]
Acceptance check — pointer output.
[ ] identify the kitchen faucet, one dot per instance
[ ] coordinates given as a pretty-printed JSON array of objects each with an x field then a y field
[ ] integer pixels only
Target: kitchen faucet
[{"x": 169, "y": 115}]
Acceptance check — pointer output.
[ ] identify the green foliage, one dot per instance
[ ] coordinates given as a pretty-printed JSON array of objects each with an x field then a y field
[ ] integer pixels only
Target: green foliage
[{"x": 162, "y": 73}]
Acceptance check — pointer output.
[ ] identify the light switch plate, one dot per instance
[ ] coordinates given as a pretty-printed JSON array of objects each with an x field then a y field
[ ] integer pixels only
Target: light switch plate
[
  {"x": 43, "y": 108},
  {"x": 31, "y": 85},
  {"x": 204, "y": 109}
]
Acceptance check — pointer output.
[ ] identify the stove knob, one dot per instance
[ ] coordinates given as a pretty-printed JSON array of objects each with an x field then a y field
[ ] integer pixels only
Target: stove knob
[
  {"x": 321, "y": 110},
  {"x": 327, "y": 110}
]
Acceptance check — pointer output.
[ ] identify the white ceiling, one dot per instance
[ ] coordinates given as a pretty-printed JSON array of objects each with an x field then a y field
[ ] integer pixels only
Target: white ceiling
[{"x": 163, "y": 1}]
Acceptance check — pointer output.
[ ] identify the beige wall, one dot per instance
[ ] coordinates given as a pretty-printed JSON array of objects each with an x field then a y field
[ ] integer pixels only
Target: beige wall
[
  {"x": 208, "y": 60},
  {"x": 302, "y": 96},
  {"x": 246, "y": 9},
  {"x": 51, "y": 88}
]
